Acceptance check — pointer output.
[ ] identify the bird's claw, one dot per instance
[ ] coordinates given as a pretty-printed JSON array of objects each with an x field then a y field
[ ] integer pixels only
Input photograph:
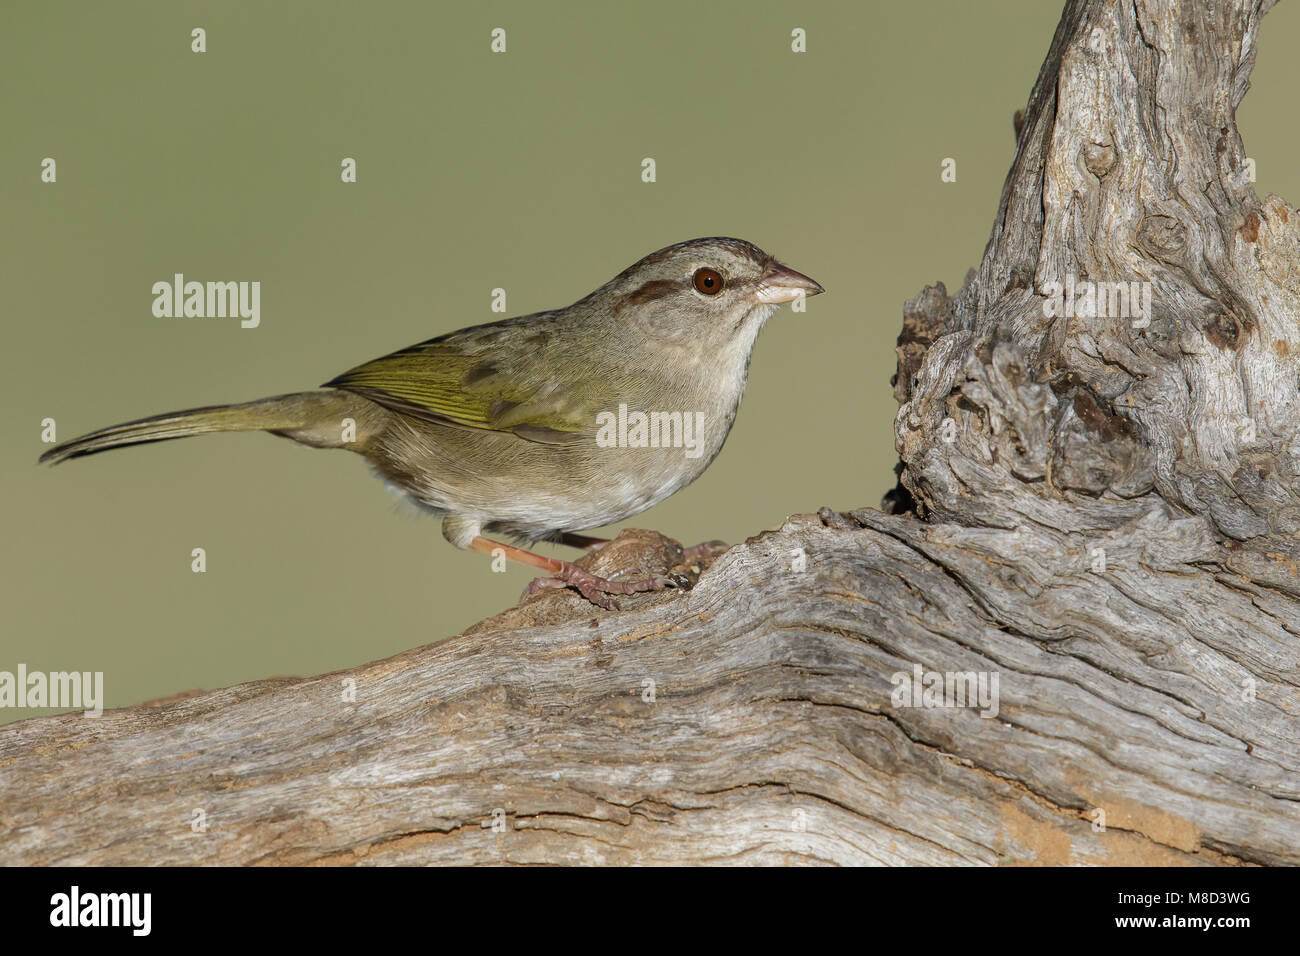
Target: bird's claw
[
  {"x": 597, "y": 590},
  {"x": 708, "y": 549}
]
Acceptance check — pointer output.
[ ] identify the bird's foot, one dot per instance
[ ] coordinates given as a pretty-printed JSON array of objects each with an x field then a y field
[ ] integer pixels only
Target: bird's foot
[
  {"x": 597, "y": 590},
  {"x": 709, "y": 549}
]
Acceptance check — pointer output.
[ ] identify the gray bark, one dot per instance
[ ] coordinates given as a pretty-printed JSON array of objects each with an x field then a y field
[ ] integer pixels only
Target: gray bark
[{"x": 1100, "y": 511}]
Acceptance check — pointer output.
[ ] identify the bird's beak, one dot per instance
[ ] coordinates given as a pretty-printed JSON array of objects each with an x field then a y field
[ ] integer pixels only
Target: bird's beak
[{"x": 780, "y": 284}]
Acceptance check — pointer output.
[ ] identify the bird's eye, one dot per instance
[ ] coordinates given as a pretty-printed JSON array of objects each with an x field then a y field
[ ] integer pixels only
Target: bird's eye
[{"x": 708, "y": 281}]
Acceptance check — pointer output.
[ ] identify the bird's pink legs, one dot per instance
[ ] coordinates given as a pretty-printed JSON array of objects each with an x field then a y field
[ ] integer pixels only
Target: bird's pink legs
[{"x": 706, "y": 550}]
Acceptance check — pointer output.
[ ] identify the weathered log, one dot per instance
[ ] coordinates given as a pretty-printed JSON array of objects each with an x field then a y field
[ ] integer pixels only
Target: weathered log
[{"x": 1098, "y": 510}]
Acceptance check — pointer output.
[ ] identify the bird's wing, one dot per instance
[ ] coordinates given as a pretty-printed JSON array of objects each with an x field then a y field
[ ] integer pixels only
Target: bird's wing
[{"x": 491, "y": 377}]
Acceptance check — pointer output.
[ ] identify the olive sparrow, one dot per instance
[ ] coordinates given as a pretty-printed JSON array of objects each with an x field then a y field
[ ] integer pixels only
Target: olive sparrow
[{"x": 542, "y": 425}]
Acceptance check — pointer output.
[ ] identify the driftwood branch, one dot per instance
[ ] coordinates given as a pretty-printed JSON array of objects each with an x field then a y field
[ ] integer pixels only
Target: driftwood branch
[{"x": 1098, "y": 510}]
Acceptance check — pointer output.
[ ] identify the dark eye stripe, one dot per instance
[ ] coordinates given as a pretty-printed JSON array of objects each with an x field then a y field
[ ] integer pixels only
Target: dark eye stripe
[{"x": 654, "y": 289}]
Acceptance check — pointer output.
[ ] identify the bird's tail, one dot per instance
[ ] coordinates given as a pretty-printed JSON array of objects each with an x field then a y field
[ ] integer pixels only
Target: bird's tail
[{"x": 313, "y": 418}]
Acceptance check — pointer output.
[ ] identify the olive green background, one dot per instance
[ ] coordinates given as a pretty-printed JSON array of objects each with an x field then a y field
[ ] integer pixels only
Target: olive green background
[{"x": 476, "y": 170}]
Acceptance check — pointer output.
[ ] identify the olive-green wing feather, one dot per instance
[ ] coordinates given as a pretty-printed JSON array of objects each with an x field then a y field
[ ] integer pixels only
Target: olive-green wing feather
[{"x": 469, "y": 379}]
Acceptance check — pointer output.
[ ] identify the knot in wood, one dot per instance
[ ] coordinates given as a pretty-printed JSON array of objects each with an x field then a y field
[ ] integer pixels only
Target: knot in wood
[
  {"x": 1161, "y": 236},
  {"x": 1099, "y": 158}
]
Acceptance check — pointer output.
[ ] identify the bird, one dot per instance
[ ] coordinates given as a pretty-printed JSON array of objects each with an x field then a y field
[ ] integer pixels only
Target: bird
[{"x": 540, "y": 426}]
